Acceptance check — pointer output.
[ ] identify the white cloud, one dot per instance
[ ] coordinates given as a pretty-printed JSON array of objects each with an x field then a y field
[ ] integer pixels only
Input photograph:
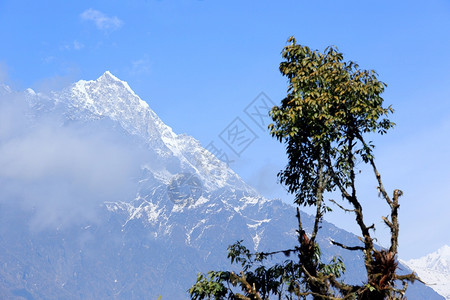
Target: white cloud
[
  {"x": 61, "y": 172},
  {"x": 102, "y": 21}
]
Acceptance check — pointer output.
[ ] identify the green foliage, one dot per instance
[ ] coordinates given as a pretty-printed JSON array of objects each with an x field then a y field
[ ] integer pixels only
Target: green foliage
[
  {"x": 336, "y": 267},
  {"x": 329, "y": 103},
  {"x": 281, "y": 279},
  {"x": 330, "y": 107},
  {"x": 210, "y": 286}
]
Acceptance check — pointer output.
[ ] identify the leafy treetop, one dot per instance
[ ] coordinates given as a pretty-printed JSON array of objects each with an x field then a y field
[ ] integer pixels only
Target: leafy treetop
[{"x": 329, "y": 103}]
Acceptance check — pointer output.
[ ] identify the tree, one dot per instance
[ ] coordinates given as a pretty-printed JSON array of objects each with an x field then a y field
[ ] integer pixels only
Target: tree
[{"x": 330, "y": 108}]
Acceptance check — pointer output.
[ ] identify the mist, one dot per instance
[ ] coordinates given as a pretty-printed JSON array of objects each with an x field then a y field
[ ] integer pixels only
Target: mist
[{"x": 62, "y": 171}]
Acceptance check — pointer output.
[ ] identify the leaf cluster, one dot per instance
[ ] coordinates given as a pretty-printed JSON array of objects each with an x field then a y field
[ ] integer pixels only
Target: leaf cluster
[
  {"x": 329, "y": 101},
  {"x": 330, "y": 107},
  {"x": 257, "y": 280}
]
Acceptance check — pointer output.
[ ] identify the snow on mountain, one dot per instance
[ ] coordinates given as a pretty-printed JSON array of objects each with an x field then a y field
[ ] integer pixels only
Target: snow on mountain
[
  {"x": 434, "y": 269},
  {"x": 187, "y": 208},
  {"x": 113, "y": 98}
]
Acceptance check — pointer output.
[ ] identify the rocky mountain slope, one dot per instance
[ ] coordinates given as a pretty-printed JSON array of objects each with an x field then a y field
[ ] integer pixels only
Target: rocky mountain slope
[{"x": 69, "y": 231}]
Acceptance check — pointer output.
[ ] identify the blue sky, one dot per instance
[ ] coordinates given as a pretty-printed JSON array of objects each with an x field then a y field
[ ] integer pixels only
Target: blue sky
[{"x": 199, "y": 64}]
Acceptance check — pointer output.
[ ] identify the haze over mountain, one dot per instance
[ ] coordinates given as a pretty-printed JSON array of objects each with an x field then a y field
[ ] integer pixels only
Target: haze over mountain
[{"x": 101, "y": 200}]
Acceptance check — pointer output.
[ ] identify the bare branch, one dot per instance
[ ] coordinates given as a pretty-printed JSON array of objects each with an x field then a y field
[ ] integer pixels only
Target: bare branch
[
  {"x": 319, "y": 197},
  {"x": 387, "y": 222},
  {"x": 394, "y": 218},
  {"x": 409, "y": 277},
  {"x": 347, "y": 247},
  {"x": 341, "y": 207},
  {"x": 368, "y": 241},
  {"x": 375, "y": 170},
  {"x": 338, "y": 183},
  {"x": 285, "y": 252}
]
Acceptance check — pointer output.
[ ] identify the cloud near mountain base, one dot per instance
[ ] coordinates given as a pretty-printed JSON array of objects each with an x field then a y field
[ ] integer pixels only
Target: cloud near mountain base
[{"x": 62, "y": 171}]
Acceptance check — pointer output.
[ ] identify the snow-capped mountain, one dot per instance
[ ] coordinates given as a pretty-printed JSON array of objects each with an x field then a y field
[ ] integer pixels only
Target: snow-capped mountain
[
  {"x": 84, "y": 238},
  {"x": 434, "y": 269},
  {"x": 110, "y": 97}
]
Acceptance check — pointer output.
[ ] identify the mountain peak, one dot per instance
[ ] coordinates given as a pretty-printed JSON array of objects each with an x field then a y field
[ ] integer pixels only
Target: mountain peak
[
  {"x": 108, "y": 79},
  {"x": 108, "y": 76},
  {"x": 107, "y": 90},
  {"x": 434, "y": 269},
  {"x": 438, "y": 260},
  {"x": 110, "y": 97}
]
